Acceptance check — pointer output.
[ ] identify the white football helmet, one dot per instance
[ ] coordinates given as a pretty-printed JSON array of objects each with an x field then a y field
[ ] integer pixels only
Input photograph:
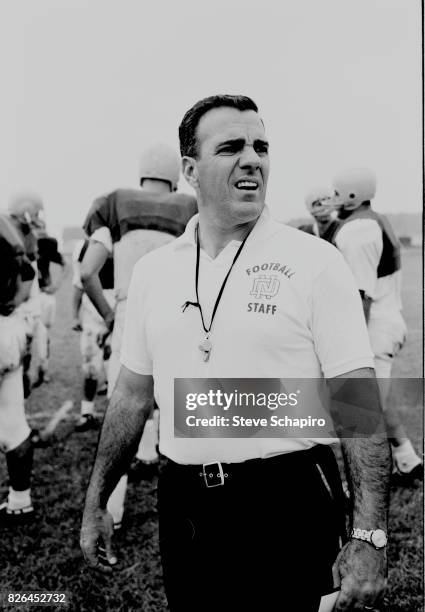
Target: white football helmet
[
  {"x": 162, "y": 163},
  {"x": 353, "y": 187},
  {"x": 319, "y": 203},
  {"x": 28, "y": 208}
]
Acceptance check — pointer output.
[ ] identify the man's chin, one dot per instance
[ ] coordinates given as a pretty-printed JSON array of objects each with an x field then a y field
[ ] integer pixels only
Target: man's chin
[{"x": 248, "y": 209}]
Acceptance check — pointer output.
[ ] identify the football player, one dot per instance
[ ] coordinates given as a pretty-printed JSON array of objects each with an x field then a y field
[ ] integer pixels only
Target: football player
[
  {"x": 16, "y": 280},
  {"x": 94, "y": 345},
  {"x": 48, "y": 254},
  {"x": 319, "y": 205},
  {"x": 368, "y": 243},
  {"x": 25, "y": 213},
  {"x": 128, "y": 224}
]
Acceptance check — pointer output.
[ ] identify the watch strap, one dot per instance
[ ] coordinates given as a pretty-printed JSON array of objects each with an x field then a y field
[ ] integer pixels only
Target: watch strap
[
  {"x": 368, "y": 536},
  {"x": 361, "y": 534}
]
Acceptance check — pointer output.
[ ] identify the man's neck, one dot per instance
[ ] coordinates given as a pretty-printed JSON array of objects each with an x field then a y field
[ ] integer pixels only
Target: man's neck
[
  {"x": 214, "y": 238},
  {"x": 156, "y": 186}
]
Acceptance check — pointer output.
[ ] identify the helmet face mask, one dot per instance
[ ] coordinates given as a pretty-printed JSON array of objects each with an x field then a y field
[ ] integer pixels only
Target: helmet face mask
[
  {"x": 319, "y": 204},
  {"x": 321, "y": 209}
]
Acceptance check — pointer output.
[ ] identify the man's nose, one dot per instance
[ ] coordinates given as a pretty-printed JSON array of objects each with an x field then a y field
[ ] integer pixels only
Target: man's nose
[{"x": 249, "y": 158}]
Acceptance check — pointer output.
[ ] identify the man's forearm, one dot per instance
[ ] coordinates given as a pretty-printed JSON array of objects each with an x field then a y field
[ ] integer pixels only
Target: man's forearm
[
  {"x": 93, "y": 288},
  {"x": 359, "y": 420},
  {"x": 368, "y": 466},
  {"x": 122, "y": 429}
]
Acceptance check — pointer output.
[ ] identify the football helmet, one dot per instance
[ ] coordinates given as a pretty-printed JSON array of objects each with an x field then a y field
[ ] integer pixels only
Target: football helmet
[
  {"x": 28, "y": 208},
  {"x": 162, "y": 163},
  {"x": 319, "y": 203},
  {"x": 353, "y": 187}
]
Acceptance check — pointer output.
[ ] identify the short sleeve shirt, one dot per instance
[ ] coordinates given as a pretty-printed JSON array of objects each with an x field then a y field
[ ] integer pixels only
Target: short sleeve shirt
[{"x": 311, "y": 326}]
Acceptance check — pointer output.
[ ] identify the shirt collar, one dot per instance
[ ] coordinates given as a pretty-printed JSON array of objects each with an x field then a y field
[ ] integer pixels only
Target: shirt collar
[{"x": 188, "y": 236}]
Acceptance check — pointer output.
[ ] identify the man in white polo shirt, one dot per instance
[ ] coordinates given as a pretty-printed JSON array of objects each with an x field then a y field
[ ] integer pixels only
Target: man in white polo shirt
[{"x": 240, "y": 296}]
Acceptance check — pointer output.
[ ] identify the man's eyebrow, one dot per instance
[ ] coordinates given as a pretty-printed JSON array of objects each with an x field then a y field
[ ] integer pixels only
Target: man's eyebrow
[{"x": 238, "y": 142}]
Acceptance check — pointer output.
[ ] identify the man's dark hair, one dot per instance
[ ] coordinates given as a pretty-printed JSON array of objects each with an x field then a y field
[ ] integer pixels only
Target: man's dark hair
[{"x": 187, "y": 129}]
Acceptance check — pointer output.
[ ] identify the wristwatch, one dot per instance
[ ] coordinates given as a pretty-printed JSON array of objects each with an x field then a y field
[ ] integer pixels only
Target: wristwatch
[{"x": 376, "y": 537}]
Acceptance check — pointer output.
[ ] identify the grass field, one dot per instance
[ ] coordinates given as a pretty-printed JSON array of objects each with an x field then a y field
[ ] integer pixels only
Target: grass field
[{"x": 46, "y": 556}]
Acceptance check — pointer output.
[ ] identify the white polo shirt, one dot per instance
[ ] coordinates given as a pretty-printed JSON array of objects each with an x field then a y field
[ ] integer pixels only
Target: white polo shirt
[{"x": 290, "y": 309}]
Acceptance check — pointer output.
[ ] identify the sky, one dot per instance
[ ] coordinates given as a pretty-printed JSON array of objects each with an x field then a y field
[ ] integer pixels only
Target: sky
[{"x": 87, "y": 84}]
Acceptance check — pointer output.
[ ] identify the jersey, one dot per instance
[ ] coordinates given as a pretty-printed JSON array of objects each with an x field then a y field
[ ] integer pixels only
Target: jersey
[
  {"x": 314, "y": 230},
  {"x": 47, "y": 253},
  {"x": 308, "y": 228},
  {"x": 132, "y": 223},
  {"x": 28, "y": 237},
  {"x": 14, "y": 264},
  {"x": 368, "y": 243}
]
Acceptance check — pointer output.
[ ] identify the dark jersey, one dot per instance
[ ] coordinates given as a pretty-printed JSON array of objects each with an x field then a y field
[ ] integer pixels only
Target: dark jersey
[
  {"x": 125, "y": 210},
  {"x": 28, "y": 237},
  {"x": 328, "y": 234},
  {"x": 47, "y": 253},
  {"x": 14, "y": 264},
  {"x": 308, "y": 228}
]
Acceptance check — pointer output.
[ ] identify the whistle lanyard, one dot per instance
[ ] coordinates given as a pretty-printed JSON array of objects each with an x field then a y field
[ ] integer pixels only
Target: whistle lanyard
[{"x": 206, "y": 345}]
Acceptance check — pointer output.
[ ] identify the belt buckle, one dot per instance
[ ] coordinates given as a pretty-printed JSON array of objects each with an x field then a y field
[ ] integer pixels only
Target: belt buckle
[{"x": 213, "y": 479}]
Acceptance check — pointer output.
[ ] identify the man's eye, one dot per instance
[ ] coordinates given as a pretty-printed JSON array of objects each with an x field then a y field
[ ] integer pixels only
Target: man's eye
[
  {"x": 261, "y": 149},
  {"x": 228, "y": 150}
]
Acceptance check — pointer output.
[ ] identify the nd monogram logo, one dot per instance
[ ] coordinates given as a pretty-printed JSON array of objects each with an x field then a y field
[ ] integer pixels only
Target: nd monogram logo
[{"x": 265, "y": 286}]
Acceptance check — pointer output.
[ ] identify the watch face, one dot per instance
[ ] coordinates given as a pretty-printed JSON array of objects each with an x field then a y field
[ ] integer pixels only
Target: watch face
[{"x": 379, "y": 538}]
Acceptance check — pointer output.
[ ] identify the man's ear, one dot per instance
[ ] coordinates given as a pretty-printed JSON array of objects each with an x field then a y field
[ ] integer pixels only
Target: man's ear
[{"x": 190, "y": 171}]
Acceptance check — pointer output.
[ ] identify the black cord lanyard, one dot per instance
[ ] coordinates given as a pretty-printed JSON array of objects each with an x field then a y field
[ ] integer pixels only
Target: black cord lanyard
[{"x": 206, "y": 344}]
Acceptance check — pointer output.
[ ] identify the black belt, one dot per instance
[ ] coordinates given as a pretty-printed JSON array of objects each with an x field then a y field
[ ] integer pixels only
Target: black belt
[{"x": 216, "y": 473}]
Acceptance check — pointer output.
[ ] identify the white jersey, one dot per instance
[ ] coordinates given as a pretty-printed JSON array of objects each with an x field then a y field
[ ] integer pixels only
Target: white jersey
[
  {"x": 131, "y": 223},
  {"x": 127, "y": 251},
  {"x": 361, "y": 243}
]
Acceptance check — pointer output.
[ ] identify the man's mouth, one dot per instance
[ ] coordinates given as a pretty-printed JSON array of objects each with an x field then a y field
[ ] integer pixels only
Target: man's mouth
[{"x": 247, "y": 185}]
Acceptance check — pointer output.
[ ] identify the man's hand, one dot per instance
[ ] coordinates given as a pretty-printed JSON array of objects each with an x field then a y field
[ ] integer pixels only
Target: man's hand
[
  {"x": 109, "y": 319},
  {"x": 362, "y": 572},
  {"x": 96, "y": 539}
]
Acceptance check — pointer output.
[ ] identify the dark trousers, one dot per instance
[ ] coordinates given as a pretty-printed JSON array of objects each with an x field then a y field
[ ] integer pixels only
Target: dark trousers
[{"x": 265, "y": 540}]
